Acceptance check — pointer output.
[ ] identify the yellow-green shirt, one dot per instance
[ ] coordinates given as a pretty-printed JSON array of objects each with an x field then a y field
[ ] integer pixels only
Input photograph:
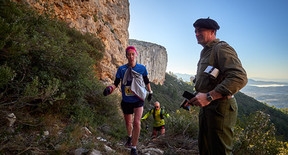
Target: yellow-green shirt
[{"x": 158, "y": 121}]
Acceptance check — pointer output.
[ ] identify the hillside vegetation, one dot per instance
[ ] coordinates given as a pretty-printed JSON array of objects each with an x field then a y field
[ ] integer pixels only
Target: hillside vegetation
[{"x": 48, "y": 82}]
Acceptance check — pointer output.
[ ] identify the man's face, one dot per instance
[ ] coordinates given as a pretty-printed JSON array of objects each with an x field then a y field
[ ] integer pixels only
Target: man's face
[
  {"x": 204, "y": 35},
  {"x": 156, "y": 105}
]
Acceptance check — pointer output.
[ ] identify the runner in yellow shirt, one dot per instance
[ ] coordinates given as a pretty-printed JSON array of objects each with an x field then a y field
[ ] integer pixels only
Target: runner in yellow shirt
[{"x": 159, "y": 122}]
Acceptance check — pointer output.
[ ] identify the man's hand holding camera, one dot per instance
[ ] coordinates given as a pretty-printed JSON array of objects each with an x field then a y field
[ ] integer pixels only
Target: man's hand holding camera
[
  {"x": 204, "y": 99},
  {"x": 200, "y": 100}
]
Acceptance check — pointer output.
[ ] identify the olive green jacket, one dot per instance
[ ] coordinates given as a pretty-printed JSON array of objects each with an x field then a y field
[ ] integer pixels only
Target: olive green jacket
[{"x": 232, "y": 76}]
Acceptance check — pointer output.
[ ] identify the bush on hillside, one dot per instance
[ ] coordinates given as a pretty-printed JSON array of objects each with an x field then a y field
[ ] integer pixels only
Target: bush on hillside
[
  {"x": 257, "y": 137},
  {"x": 48, "y": 80},
  {"x": 42, "y": 60}
]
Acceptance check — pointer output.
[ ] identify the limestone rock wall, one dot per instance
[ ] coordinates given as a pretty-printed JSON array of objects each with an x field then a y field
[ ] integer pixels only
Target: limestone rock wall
[
  {"x": 109, "y": 21},
  {"x": 154, "y": 57}
]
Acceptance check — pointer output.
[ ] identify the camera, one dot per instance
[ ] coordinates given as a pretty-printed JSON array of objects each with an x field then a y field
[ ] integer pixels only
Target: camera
[{"x": 187, "y": 95}]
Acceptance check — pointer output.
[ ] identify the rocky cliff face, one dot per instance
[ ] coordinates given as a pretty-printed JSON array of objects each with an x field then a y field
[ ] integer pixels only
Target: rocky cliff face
[
  {"x": 154, "y": 57},
  {"x": 106, "y": 19}
]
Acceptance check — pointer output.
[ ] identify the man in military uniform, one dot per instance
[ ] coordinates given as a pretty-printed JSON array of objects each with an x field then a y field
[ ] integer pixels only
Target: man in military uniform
[{"x": 219, "y": 76}]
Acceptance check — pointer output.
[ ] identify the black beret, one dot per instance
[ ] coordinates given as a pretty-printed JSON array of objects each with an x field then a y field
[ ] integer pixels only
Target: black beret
[{"x": 206, "y": 23}]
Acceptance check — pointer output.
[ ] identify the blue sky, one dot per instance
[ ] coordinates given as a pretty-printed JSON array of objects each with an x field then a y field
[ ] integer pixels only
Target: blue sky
[{"x": 256, "y": 29}]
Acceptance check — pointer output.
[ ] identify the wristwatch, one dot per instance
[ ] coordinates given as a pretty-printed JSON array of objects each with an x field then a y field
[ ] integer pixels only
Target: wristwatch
[{"x": 209, "y": 97}]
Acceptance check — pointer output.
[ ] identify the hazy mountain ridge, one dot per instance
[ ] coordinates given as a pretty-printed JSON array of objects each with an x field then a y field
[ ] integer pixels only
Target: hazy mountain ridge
[
  {"x": 260, "y": 82},
  {"x": 185, "y": 77},
  {"x": 271, "y": 92}
]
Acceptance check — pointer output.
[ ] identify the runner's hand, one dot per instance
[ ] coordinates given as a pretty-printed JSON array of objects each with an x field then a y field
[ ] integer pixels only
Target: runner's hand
[
  {"x": 108, "y": 90},
  {"x": 149, "y": 97}
]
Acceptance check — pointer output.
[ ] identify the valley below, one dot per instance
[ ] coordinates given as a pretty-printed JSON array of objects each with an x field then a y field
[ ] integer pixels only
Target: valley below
[
  {"x": 269, "y": 92},
  {"x": 272, "y": 93}
]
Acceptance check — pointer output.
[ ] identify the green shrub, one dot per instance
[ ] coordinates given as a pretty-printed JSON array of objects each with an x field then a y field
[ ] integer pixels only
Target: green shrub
[
  {"x": 6, "y": 76},
  {"x": 183, "y": 123},
  {"x": 44, "y": 60},
  {"x": 256, "y": 136}
]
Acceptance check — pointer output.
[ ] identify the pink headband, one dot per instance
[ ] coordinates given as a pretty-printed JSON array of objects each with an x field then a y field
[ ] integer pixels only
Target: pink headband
[{"x": 131, "y": 48}]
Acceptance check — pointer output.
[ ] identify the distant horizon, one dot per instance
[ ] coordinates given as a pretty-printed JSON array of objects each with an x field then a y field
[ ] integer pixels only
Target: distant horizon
[{"x": 253, "y": 78}]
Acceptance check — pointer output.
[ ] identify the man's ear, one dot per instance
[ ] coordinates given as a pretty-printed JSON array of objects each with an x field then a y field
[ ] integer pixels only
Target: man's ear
[{"x": 214, "y": 31}]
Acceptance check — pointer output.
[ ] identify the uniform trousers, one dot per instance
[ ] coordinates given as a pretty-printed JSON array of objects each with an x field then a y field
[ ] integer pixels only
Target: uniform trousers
[{"x": 216, "y": 127}]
